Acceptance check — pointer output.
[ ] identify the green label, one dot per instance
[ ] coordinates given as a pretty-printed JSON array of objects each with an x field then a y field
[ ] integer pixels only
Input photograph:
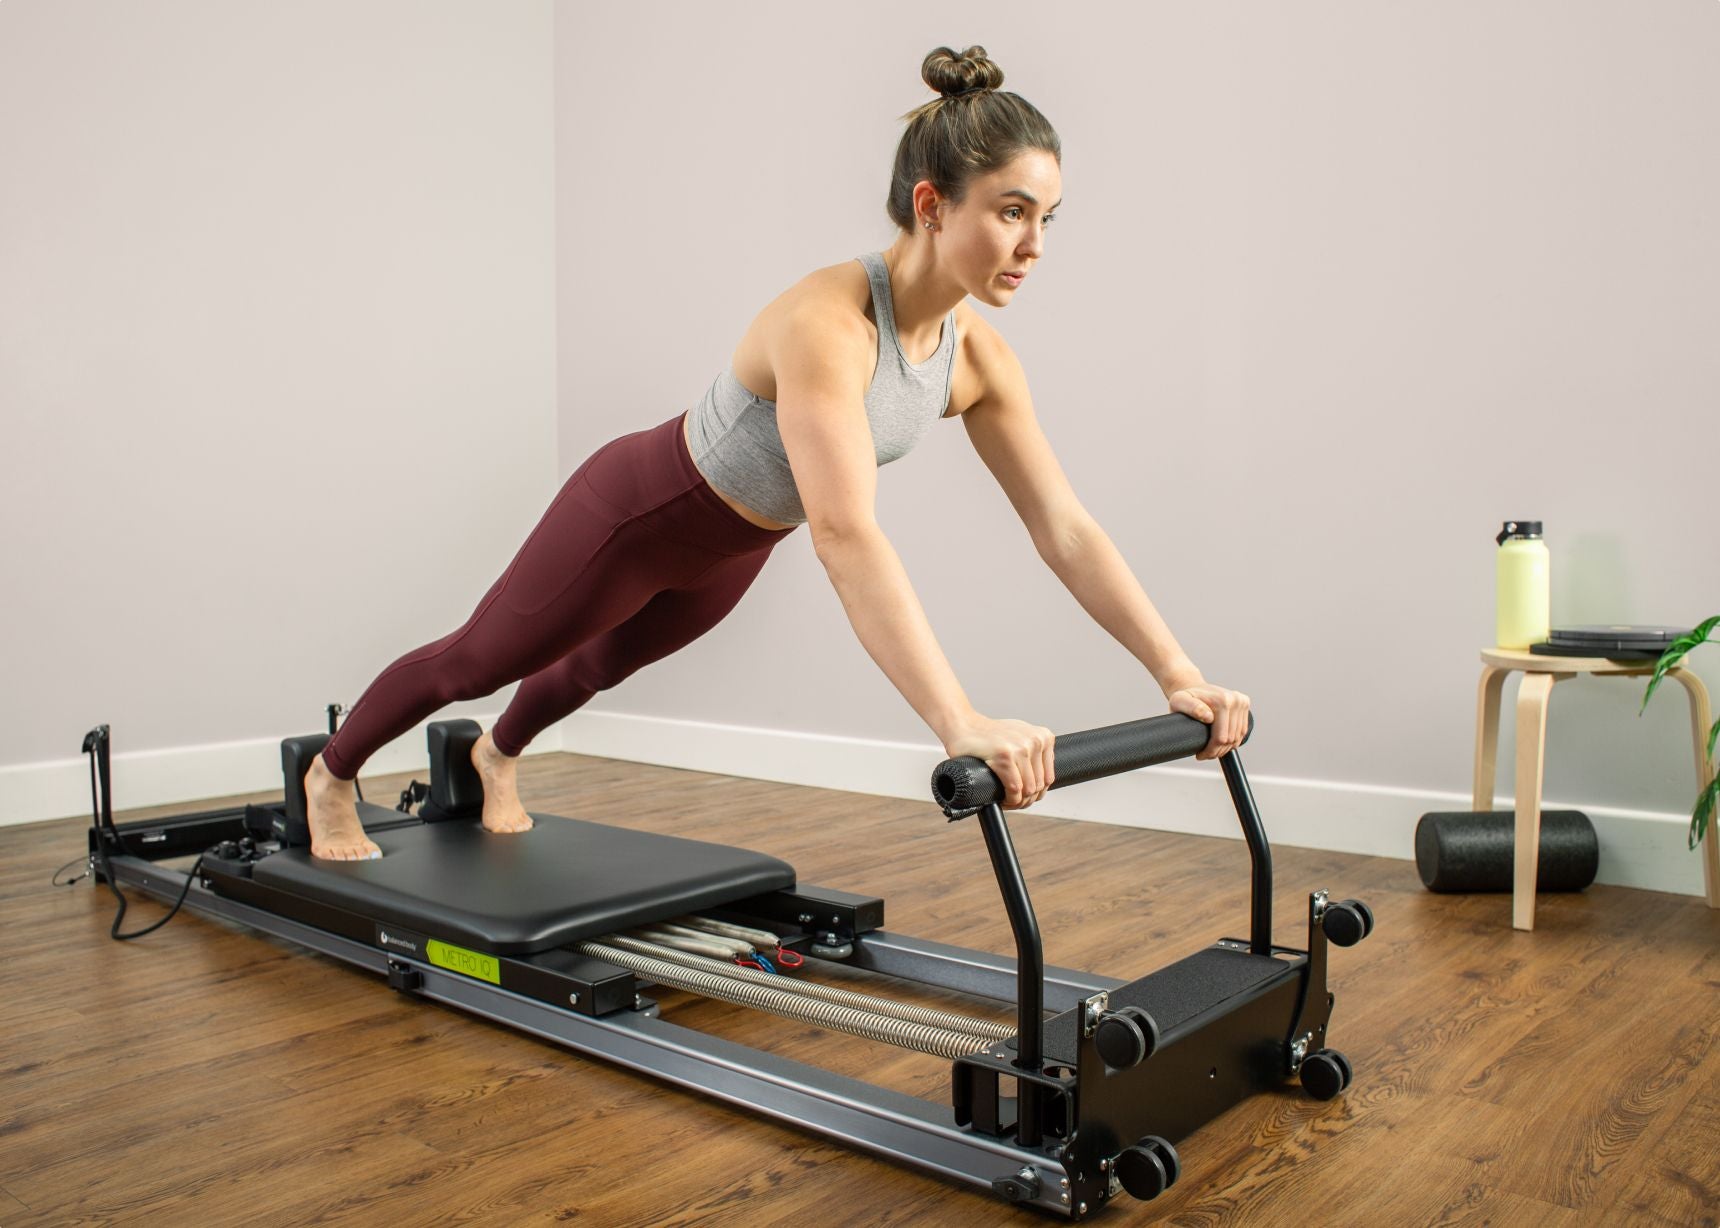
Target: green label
[{"x": 458, "y": 959}]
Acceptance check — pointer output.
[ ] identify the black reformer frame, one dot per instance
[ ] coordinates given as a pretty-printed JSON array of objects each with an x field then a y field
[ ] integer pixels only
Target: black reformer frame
[{"x": 1105, "y": 1086}]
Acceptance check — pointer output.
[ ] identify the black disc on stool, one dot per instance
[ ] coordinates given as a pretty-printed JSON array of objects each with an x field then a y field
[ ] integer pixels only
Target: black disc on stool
[{"x": 1473, "y": 851}]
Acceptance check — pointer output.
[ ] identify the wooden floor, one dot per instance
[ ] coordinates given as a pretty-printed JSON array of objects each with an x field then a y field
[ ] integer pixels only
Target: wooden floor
[{"x": 206, "y": 1076}]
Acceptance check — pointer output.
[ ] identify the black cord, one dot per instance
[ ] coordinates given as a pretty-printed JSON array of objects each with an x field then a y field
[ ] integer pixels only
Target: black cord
[
  {"x": 84, "y": 861},
  {"x": 190, "y": 876},
  {"x": 105, "y": 830}
]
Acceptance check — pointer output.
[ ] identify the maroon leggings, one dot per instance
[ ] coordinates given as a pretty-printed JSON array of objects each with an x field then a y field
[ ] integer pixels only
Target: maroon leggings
[{"x": 636, "y": 558}]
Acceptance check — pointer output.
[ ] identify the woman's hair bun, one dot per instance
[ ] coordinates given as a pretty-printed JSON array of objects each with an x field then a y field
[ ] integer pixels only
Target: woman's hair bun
[{"x": 952, "y": 74}]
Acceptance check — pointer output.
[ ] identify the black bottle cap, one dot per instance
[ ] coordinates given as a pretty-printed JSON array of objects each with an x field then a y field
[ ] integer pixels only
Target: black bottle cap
[{"x": 1519, "y": 528}]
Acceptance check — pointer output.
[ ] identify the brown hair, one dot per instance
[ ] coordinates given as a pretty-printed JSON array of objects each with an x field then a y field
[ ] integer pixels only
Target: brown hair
[{"x": 972, "y": 129}]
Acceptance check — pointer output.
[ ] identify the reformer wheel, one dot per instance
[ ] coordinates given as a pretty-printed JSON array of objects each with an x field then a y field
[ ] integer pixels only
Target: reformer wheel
[
  {"x": 1149, "y": 1168},
  {"x": 1325, "y": 1073},
  {"x": 1127, "y": 1037},
  {"x": 1347, "y": 922}
]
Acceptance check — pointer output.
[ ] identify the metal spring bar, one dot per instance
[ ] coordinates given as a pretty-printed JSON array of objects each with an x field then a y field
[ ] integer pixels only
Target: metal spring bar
[
  {"x": 704, "y": 944},
  {"x": 728, "y": 929},
  {"x": 870, "y": 1003},
  {"x": 939, "y": 1041}
]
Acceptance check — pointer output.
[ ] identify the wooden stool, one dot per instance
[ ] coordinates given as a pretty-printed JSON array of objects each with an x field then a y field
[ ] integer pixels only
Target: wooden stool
[{"x": 1539, "y": 675}]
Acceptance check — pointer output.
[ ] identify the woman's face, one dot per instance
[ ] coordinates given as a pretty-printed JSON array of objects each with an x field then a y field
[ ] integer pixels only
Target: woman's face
[{"x": 999, "y": 229}]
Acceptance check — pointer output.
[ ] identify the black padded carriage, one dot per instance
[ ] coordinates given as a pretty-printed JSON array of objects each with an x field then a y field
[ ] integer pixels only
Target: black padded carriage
[{"x": 525, "y": 892}]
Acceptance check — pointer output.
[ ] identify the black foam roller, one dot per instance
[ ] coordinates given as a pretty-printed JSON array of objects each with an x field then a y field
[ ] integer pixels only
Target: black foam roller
[{"x": 1473, "y": 851}]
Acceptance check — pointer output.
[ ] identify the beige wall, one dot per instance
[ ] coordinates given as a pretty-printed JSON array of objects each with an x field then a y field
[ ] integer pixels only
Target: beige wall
[
  {"x": 306, "y": 309},
  {"x": 1337, "y": 288},
  {"x": 276, "y": 359}
]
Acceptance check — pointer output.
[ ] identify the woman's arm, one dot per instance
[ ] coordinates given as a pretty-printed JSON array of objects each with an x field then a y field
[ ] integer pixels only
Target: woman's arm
[
  {"x": 1006, "y": 434},
  {"x": 821, "y": 359},
  {"x": 1094, "y": 572}
]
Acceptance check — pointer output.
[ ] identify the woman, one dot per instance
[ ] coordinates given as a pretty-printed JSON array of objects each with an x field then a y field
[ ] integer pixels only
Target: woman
[{"x": 658, "y": 534}]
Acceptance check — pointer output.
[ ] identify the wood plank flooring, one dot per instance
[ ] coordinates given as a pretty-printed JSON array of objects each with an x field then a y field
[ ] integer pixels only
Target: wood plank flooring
[{"x": 204, "y": 1075}]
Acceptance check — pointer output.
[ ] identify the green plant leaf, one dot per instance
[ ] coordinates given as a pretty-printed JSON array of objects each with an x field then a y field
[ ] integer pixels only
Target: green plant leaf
[
  {"x": 1713, "y": 736},
  {"x": 1704, "y": 812},
  {"x": 1675, "y": 653}
]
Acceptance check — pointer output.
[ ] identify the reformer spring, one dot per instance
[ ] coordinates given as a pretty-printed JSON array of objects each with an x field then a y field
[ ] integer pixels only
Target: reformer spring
[
  {"x": 728, "y": 986},
  {"x": 871, "y": 1004}
]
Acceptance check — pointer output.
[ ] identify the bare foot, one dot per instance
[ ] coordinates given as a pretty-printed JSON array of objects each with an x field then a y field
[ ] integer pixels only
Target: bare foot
[
  {"x": 502, "y": 809},
  {"x": 331, "y": 805}
]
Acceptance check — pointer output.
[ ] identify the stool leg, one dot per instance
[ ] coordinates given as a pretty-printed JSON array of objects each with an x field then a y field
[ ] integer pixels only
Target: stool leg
[
  {"x": 1487, "y": 735},
  {"x": 1532, "y": 699},
  {"x": 1701, "y": 717}
]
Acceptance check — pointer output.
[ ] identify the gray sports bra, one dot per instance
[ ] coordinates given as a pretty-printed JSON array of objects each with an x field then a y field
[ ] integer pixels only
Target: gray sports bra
[{"x": 733, "y": 437}]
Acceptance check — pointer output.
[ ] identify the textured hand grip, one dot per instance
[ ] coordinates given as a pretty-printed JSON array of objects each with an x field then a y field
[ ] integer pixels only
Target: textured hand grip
[{"x": 964, "y": 785}]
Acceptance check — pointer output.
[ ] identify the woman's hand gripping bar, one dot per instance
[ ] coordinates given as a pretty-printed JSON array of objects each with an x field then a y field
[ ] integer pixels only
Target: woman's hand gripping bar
[{"x": 966, "y": 785}]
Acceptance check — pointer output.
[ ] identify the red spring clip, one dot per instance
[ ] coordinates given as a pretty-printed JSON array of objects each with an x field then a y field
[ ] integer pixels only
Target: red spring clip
[{"x": 789, "y": 959}]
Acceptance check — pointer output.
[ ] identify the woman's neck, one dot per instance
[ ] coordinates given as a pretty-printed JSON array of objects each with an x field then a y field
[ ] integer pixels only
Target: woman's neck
[{"x": 920, "y": 295}]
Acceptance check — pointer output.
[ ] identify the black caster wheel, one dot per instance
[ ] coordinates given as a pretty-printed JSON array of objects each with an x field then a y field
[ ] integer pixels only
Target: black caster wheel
[
  {"x": 1149, "y": 1168},
  {"x": 1127, "y": 1037},
  {"x": 1149, "y": 1030},
  {"x": 1326, "y": 1073},
  {"x": 1166, "y": 1153},
  {"x": 1120, "y": 1041},
  {"x": 1347, "y": 922}
]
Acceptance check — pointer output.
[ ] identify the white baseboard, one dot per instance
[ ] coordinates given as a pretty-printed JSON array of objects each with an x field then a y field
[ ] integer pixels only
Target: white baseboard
[
  {"x": 1640, "y": 849},
  {"x": 31, "y": 792}
]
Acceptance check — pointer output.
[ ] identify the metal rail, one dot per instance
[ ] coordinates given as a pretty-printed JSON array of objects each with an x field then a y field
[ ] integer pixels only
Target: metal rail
[{"x": 859, "y": 1114}]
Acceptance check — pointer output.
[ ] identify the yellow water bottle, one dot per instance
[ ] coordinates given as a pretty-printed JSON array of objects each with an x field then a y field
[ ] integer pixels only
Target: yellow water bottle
[{"x": 1524, "y": 590}]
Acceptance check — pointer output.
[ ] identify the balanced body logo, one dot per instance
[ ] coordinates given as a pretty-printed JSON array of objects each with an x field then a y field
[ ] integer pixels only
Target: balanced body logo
[{"x": 397, "y": 941}]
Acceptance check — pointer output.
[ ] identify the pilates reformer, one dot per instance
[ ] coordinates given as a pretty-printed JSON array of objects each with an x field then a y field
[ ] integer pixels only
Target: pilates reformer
[{"x": 560, "y": 930}]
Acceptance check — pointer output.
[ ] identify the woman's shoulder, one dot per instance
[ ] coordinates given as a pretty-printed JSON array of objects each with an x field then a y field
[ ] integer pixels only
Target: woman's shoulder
[
  {"x": 829, "y": 309},
  {"x": 834, "y": 305},
  {"x": 836, "y": 291},
  {"x": 842, "y": 294},
  {"x": 834, "y": 301}
]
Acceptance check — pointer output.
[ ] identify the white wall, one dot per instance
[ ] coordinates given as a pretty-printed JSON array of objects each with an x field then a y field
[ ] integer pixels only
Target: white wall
[
  {"x": 1337, "y": 288},
  {"x": 276, "y": 364}
]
